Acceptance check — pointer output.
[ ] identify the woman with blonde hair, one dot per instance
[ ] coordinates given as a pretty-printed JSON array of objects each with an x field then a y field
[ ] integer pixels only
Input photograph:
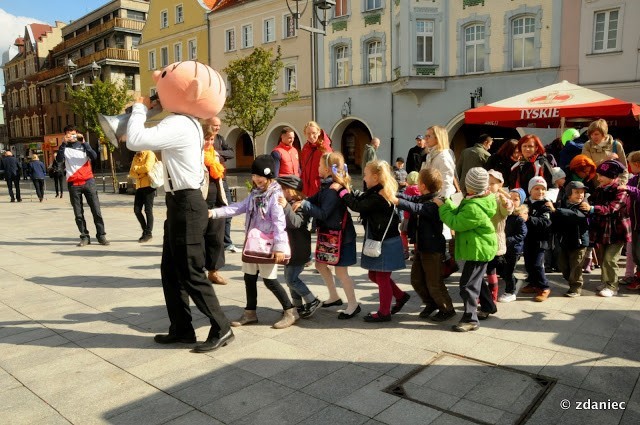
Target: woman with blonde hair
[
  {"x": 318, "y": 143},
  {"x": 440, "y": 157},
  {"x": 381, "y": 223},
  {"x": 333, "y": 215},
  {"x": 602, "y": 146}
]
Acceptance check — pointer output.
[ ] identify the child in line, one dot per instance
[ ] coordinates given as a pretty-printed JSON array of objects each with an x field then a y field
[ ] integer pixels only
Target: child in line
[
  {"x": 411, "y": 190},
  {"x": 263, "y": 213},
  {"x": 515, "y": 232},
  {"x": 538, "y": 226},
  {"x": 300, "y": 243},
  {"x": 489, "y": 289},
  {"x": 571, "y": 227},
  {"x": 331, "y": 214},
  {"x": 557, "y": 195},
  {"x": 400, "y": 174},
  {"x": 426, "y": 269},
  {"x": 633, "y": 189},
  {"x": 380, "y": 220},
  {"x": 610, "y": 223},
  {"x": 476, "y": 241}
]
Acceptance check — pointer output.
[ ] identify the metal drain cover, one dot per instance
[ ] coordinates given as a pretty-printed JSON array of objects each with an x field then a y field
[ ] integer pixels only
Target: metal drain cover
[{"x": 474, "y": 390}]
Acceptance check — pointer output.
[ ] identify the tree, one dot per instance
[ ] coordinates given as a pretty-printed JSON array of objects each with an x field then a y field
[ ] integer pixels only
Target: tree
[
  {"x": 251, "y": 105},
  {"x": 101, "y": 97}
]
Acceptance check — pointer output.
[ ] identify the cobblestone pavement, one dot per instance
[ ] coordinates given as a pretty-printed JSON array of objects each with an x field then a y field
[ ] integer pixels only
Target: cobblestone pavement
[{"x": 77, "y": 326}]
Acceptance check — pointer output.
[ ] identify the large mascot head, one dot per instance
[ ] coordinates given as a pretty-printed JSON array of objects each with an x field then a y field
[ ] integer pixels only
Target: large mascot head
[{"x": 190, "y": 88}]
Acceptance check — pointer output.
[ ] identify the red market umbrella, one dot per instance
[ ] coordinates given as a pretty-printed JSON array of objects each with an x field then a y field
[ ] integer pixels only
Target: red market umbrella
[{"x": 548, "y": 106}]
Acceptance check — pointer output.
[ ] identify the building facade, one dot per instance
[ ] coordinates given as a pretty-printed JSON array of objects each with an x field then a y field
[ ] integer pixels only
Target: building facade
[
  {"x": 108, "y": 36},
  {"x": 25, "y": 114},
  {"x": 236, "y": 28},
  {"x": 392, "y": 68}
]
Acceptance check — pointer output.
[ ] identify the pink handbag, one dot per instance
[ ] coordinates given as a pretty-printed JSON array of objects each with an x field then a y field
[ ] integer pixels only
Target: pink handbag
[{"x": 258, "y": 248}]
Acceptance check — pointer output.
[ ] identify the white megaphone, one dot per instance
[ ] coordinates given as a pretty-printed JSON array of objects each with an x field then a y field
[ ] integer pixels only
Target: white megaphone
[{"x": 115, "y": 126}]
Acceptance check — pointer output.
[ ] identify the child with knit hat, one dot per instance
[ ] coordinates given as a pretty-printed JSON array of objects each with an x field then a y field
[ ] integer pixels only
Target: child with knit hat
[
  {"x": 476, "y": 241},
  {"x": 610, "y": 223},
  {"x": 411, "y": 190},
  {"x": 537, "y": 240},
  {"x": 515, "y": 232}
]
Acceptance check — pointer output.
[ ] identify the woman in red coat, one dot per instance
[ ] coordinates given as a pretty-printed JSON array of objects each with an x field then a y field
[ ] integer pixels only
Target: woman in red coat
[{"x": 318, "y": 143}]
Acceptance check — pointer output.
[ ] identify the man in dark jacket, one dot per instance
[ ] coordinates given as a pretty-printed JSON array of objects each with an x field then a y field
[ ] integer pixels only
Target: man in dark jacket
[
  {"x": 475, "y": 156},
  {"x": 414, "y": 157},
  {"x": 11, "y": 167}
]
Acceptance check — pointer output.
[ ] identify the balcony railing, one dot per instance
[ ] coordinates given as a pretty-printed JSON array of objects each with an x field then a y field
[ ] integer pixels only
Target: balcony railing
[
  {"x": 124, "y": 23},
  {"x": 110, "y": 53}
]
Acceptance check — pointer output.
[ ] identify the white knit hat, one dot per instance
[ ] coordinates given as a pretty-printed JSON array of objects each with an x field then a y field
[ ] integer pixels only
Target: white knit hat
[
  {"x": 537, "y": 181},
  {"x": 477, "y": 180},
  {"x": 557, "y": 174}
]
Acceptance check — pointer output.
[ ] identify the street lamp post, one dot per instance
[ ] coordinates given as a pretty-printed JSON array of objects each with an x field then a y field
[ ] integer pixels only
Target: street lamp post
[
  {"x": 72, "y": 70},
  {"x": 320, "y": 14}
]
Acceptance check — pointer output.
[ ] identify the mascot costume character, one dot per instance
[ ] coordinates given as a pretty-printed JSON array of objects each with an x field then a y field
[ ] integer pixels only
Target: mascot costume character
[{"x": 189, "y": 90}]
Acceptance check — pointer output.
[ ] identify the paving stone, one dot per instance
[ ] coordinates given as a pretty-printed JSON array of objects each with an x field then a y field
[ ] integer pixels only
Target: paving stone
[
  {"x": 156, "y": 409},
  {"x": 194, "y": 417},
  {"x": 206, "y": 391},
  {"x": 341, "y": 383},
  {"x": 370, "y": 399},
  {"x": 332, "y": 415},
  {"x": 292, "y": 409}
]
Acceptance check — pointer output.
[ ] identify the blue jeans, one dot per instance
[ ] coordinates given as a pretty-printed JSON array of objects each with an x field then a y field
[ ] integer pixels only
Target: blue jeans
[{"x": 297, "y": 287}]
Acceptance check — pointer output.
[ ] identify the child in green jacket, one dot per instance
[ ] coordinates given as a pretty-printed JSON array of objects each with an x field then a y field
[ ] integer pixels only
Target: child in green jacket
[{"x": 476, "y": 241}]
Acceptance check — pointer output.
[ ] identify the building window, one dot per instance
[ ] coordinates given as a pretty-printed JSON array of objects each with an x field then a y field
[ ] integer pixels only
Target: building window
[
  {"x": 373, "y": 4},
  {"x": 152, "y": 59},
  {"x": 374, "y": 61},
  {"x": 179, "y": 14},
  {"x": 192, "y": 46},
  {"x": 290, "y": 78},
  {"x": 177, "y": 52},
  {"x": 164, "y": 19},
  {"x": 523, "y": 33},
  {"x": 35, "y": 126},
  {"x": 424, "y": 41},
  {"x": 164, "y": 56},
  {"x": 605, "y": 31},
  {"x": 269, "y": 30},
  {"x": 135, "y": 15},
  {"x": 474, "y": 48},
  {"x": 230, "y": 40},
  {"x": 341, "y": 8},
  {"x": 33, "y": 95},
  {"x": 289, "y": 28},
  {"x": 342, "y": 66},
  {"x": 135, "y": 41},
  {"x": 247, "y": 36}
]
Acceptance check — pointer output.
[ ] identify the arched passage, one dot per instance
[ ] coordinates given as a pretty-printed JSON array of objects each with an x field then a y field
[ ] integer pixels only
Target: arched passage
[
  {"x": 352, "y": 134},
  {"x": 241, "y": 142},
  {"x": 462, "y": 136}
]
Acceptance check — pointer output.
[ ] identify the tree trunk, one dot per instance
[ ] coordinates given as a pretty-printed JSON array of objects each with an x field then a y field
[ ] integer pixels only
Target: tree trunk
[{"x": 253, "y": 143}]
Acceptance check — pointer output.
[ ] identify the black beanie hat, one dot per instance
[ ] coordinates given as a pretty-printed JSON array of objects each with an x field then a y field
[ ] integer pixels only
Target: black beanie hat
[
  {"x": 263, "y": 166},
  {"x": 290, "y": 181},
  {"x": 610, "y": 168}
]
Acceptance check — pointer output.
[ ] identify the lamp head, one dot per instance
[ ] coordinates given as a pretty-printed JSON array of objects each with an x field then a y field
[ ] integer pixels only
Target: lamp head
[{"x": 324, "y": 4}]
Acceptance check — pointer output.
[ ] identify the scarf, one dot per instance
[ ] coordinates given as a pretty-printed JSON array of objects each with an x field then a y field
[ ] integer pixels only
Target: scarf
[
  {"x": 212, "y": 161},
  {"x": 260, "y": 199}
]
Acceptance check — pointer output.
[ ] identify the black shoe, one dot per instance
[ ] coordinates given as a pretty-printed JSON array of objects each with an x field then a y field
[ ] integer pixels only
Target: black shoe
[
  {"x": 443, "y": 316},
  {"x": 377, "y": 318},
  {"x": 427, "y": 311},
  {"x": 483, "y": 315},
  {"x": 172, "y": 339},
  {"x": 336, "y": 303},
  {"x": 13, "y": 200},
  {"x": 310, "y": 308},
  {"x": 84, "y": 242},
  {"x": 345, "y": 316},
  {"x": 400, "y": 303},
  {"x": 213, "y": 343},
  {"x": 103, "y": 241},
  {"x": 19, "y": 200},
  {"x": 145, "y": 238}
]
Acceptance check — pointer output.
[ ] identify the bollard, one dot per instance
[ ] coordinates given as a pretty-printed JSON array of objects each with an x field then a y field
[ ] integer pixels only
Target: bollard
[{"x": 104, "y": 188}]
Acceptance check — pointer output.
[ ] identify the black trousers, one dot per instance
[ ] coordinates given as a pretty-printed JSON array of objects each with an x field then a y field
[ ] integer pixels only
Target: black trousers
[
  {"x": 39, "y": 185},
  {"x": 144, "y": 198},
  {"x": 182, "y": 264},
  {"x": 90, "y": 192},
  {"x": 214, "y": 244},
  {"x": 57, "y": 180},
  {"x": 14, "y": 181},
  {"x": 471, "y": 282}
]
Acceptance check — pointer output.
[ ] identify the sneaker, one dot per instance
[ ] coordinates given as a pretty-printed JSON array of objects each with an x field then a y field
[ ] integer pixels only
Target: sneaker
[
  {"x": 529, "y": 289},
  {"x": 627, "y": 280},
  {"x": 607, "y": 293},
  {"x": 103, "y": 241},
  {"x": 465, "y": 327},
  {"x": 443, "y": 316},
  {"x": 542, "y": 295},
  {"x": 483, "y": 315},
  {"x": 571, "y": 293},
  {"x": 507, "y": 298},
  {"x": 84, "y": 242},
  {"x": 232, "y": 248},
  {"x": 145, "y": 238},
  {"x": 601, "y": 287},
  {"x": 310, "y": 308},
  {"x": 427, "y": 311}
]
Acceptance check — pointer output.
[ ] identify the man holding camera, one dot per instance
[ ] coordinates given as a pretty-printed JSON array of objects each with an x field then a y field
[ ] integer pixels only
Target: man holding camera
[{"x": 77, "y": 156}]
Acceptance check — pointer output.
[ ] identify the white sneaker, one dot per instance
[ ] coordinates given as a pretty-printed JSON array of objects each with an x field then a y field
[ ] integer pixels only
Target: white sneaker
[
  {"x": 232, "y": 248},
  {"x": 607, "y": 293},
  {"x": 507, "y": 298},
  {"x": 601, "y": 287}
]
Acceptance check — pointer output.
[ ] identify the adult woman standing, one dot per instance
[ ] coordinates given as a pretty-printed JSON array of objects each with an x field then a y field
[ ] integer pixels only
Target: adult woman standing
[
  {"x": 318, "y": 143},
  {"x": 602, "y": 146},
  {"x": 439, "y": 156},
  {"x": 38, "y": 172},
  {"x": 534, "y": 162},
  {"x": 506, "y": 156},
  {"x": 214, "y": 235}
]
